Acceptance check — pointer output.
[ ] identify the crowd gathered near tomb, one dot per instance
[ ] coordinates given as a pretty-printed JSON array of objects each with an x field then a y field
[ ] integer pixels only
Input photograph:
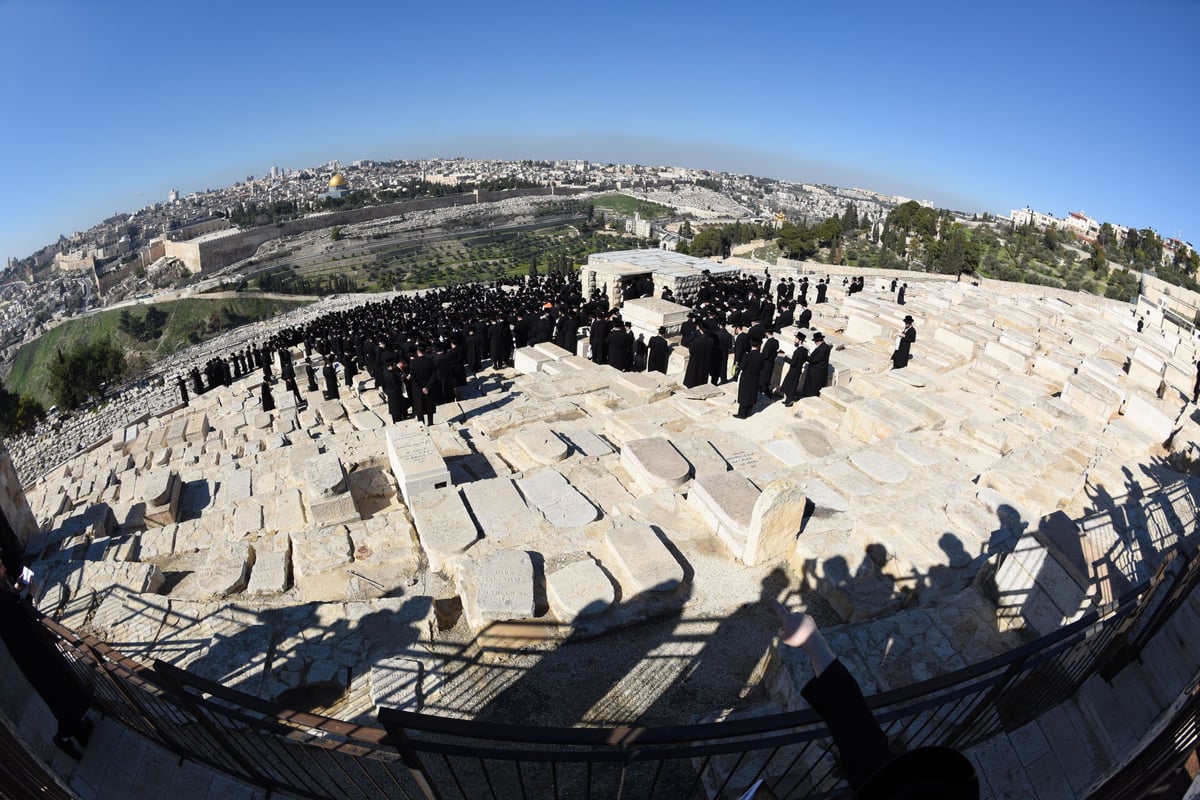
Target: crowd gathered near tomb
[{"x": 421, "y": 349}]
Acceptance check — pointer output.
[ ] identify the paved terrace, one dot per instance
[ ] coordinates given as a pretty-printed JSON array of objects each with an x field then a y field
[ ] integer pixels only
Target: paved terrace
[{"x": 322, "y": 556}]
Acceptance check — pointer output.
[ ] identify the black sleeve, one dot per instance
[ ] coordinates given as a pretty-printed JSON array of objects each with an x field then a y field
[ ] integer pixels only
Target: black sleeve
[{"x": 835, "y": 695}]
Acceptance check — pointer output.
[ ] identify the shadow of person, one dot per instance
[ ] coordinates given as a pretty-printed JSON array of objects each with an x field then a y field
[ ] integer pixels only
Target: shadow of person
[
  {"x": 728, "y": 667},
  {"x": 946, "y": 580},
  {"x": 581, "y": 680}
]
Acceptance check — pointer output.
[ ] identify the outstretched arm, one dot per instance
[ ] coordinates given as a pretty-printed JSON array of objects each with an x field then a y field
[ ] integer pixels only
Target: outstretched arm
[{"x": 799, "y": 630}]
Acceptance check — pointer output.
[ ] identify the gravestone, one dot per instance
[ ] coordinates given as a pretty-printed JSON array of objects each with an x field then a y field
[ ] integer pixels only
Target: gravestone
[
  {"x": 655, "y": 462},
  {"x": 497, "y": 587},
  {"x": 499, "y": 509},
  {"x": 640, "y": 561},
  {"x": 560, "y": 503},
  {"x": 324, "y": 475},
  {"x": 528, "y": 360},
  {"x": 579, "y": 589},
  {"x": 542, "y": 444},
  {"x": 416, "y": 463},
  {"x": 444, "y": 527}
]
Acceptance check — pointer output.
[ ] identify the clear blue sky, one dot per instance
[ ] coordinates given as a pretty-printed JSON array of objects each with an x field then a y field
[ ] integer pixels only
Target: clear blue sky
[{"x": 977, "y": 106}]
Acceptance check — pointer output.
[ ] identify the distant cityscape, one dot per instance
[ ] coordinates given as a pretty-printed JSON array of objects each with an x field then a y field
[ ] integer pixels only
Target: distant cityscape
[{"x": 75, "y": 273}]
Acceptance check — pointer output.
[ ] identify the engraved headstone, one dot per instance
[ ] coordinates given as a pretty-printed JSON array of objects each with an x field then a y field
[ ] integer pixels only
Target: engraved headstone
[
  {"x": 503, "y": 586},
  {"x": 416, "y": 462}
]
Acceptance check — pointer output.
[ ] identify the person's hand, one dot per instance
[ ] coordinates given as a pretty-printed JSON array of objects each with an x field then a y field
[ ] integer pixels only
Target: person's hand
[{"x": 796, "y": 627}]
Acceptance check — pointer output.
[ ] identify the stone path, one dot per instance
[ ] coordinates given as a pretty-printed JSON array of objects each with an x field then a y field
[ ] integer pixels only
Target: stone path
[{"x": 312, "y": 547}]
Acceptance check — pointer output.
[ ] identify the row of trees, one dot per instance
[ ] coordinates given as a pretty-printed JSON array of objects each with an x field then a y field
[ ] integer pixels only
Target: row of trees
[{"x": 718, "y": 240}]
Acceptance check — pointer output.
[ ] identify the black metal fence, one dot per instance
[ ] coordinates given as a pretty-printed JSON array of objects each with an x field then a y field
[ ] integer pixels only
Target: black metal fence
[{"x": 422, "y": 756}]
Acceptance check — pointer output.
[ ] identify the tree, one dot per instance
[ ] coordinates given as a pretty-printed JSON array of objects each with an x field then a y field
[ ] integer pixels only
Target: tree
[
  {"x": 849, "y": 218},
  {"x": 685, "y": 230},
  {"x": 1098, "y": 259},
  {"x": 18, "y": 413},
  {"x": 335, "y": 233},
  {"x": 84, "y": 371},
  {"x": 797, "y": 241}
]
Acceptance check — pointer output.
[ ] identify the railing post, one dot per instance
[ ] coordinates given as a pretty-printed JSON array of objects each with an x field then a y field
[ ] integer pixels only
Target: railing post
[{"x": 397, "y": 736}]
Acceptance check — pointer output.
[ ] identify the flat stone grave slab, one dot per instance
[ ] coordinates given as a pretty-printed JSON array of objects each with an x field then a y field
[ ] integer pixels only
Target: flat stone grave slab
[
  {"x": 655, "y": 462},
  {"x": 324, "y": 475},
  {"x": 417, "y": 464},
  {"x": 499, "y": 509},
  {"x": 553, "y": 351},
  {"x": 879, "y": 467},
  {"x": 848, "y": 479},
  {"x": 586, "y": 443},
  {"x": 236, "y": 484},
  {"x": 812, "y": 441},
  {"x": 529, "y": 360},
  {"x": 330, "y": 411},
  {"x": 726, "y": 502},
  {"x": 560, "y": 503},
  {"x": 542, "y": 444},
  {"x": 444, "y": 526},
  {"x": 497, "y": 587},
  {"x": 579, "y": 589},
  {"x": 824, "y": 498},
  {"x": 639, "y": 388},
  {"x": 641, "y": 562}
]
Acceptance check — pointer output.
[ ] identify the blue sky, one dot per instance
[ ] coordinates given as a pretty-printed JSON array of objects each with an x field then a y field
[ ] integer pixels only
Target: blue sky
[{"x": 981, "y": 107}]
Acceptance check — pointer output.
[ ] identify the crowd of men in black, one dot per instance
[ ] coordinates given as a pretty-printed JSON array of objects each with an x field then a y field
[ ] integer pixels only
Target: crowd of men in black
[{"x": 421, "y": 348}]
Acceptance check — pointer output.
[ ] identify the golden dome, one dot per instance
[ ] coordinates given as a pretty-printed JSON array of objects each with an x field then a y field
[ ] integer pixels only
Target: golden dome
[{"x": 337, "y": 180}]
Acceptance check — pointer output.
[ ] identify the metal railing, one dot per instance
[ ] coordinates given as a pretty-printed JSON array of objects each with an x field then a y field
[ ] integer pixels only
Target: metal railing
[{"x": 422, "y": 756}]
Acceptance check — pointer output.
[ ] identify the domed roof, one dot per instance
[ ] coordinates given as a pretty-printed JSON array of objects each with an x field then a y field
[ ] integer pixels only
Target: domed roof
[{"x": 337, "y": 180}]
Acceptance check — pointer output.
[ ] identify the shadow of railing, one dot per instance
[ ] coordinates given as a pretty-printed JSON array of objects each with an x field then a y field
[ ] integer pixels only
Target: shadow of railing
[{"x": 421, "y": 755}]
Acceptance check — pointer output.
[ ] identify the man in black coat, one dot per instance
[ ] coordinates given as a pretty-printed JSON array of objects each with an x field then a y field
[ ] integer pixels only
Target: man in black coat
[
  {"x": 749, "y": 370},
  {"x": 659, "y": 352},
  {"x": 904, "y": 344},
  {"x": 700, "y": 355},
  {"x": 424, "y": 386},
  {"x": 720, "y": 367},
  {"x": 331, "y": 381},
  {"x": 822, "y": 290},
  {"x": 597, "y": 335},
  {"x": 619, "y": 344},
  {"x": 500, "y": 341},
  {"x": 770, "y": 349},
  {"x": 790, "y": 388},
  {"x": 818, "y": 367},
  {"x": 805, "y": 318}
]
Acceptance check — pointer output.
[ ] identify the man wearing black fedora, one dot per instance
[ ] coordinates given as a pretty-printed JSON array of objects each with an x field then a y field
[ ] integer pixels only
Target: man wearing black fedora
[{"x": 904, "y": 344}]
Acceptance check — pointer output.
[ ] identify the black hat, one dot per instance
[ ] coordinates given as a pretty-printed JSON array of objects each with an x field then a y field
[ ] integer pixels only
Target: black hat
[
  {"x": 818, "y": 337},
  {"x": 927, "y": 772},
  {"x": 908, "y": 318}
]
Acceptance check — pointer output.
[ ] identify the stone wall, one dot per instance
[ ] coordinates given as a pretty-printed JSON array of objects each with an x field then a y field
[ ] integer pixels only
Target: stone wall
[{"x": 13, "y": 504}]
